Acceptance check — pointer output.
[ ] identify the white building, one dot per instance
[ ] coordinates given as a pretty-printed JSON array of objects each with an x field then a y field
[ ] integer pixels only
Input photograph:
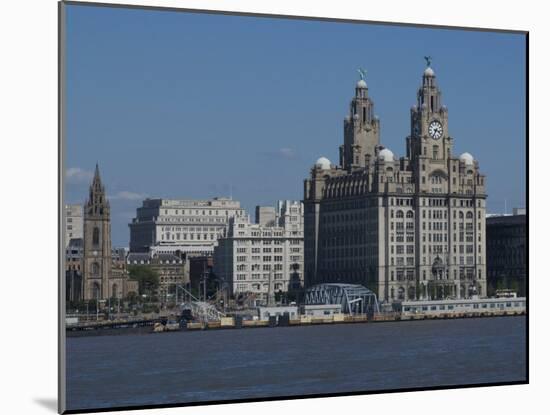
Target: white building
[
  {"x": 73, "y": 223},
  {"x": 190, "y": 226},
  {"x": 262, "y": 260}
]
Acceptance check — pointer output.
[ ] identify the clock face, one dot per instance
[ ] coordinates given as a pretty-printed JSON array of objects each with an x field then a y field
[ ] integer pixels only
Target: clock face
[
  {"x": 435, "y": 130},
  {"x": 94, "y": 253}
]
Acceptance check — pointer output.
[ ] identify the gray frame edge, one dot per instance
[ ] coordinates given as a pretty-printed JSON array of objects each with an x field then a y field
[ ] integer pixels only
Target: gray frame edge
[{"x": 61, "y": 346}]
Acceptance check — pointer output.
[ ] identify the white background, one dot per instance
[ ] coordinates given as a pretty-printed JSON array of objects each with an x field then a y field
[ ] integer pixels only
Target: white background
[{"x": 28, "y": 189}]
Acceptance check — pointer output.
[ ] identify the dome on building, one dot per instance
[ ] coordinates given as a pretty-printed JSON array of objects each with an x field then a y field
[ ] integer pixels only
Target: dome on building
[
  {"x": 467, "y": 158},
  {"x": 322, "y": 163},
  {"x": 385, "y": 155},
  {"x": 361, "y": 84},
  {"x": 429, "y": 72}
]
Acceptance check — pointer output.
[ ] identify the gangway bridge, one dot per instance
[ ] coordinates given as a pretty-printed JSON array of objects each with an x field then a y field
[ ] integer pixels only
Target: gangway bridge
[
  {"x": 354, "y": 298},
  {"x": 200, "y": 310}
]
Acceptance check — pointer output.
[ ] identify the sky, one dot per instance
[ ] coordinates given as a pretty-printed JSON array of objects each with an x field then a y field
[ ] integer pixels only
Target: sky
[{"x": 193, "y": 106}]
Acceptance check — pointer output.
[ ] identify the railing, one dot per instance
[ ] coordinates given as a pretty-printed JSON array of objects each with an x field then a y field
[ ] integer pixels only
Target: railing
[{"x": 200, "y": 309}]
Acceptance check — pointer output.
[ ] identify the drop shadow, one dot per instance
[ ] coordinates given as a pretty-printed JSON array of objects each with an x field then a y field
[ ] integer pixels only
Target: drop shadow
[{"x": 48, "y": 403}]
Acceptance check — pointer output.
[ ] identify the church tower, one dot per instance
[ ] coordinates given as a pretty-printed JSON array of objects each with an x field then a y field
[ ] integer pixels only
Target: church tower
[
  {"x": 97, "y": 242},
  {"x": 429, "y": 138},
  {"x": 361, "y": 130}
]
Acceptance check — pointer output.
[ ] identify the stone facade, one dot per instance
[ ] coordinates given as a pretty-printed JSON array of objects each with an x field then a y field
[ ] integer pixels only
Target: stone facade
[
  {"x": 187, "y": 226},
  {"x": 265, "y": 215},
  {"x": 259, "y": 260},
  {"x": 73, "y": 269},
  {"x": 172, "y": 270},
  {"x": 73, "y": 223},
  {"x": 102, "y": 278},
  {"x": 406, "y": 228}
]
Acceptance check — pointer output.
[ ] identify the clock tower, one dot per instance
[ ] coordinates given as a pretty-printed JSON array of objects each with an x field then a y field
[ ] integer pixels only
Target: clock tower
[
  {"x": 97, "y": 242},
  {"x": 361, "y": 130},
  {"x": 429, "y": 137}
]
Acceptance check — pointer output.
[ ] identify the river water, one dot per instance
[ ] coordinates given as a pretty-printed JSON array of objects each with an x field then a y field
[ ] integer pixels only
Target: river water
[{"x": 182, "y": 367}]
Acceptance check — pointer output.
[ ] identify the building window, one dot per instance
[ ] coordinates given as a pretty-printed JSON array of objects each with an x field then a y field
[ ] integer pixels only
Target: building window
[{"x": 95, "y": 236}]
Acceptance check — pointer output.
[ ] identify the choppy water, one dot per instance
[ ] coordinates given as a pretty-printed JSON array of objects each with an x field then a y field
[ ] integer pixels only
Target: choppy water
[{"x": 185, "y": 367}]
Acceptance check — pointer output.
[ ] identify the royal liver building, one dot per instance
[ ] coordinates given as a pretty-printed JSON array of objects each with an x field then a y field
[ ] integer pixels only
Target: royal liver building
[{"x": 407, "y": 228}]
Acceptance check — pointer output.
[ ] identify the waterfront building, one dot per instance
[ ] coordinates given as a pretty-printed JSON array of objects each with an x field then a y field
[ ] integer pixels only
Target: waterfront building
[
  {"x": 461, "y": 307},
  {"x": 261, "y": 260},
  {"x": 200, "y": 267},
  {"x": 73, "y": 222},
  {"x": 320, "y": 310},
  {"x": 119, "y": 254},
  {"x": 264, "y": 313},
  {"x": 73, "y": 269},
  {"x": 507, "y": 252},
  {"x": 188, "y": 226},
  {"x": 265, "y": 215},
  {"x": 102, "y": 279},
  {"x": 74, "y": 254},
  {"x": 407, "y": 228},
  {"x": 172, "y": 271}
]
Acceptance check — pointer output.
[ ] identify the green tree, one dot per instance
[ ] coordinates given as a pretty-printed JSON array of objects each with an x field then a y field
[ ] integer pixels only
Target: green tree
[
  {"x": 132, "y": 298},
  {"x": 147, "y": 278}
]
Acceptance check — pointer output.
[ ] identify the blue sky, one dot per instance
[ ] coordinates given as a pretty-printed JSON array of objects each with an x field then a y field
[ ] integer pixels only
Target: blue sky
[{"x": 184, "y": 105}]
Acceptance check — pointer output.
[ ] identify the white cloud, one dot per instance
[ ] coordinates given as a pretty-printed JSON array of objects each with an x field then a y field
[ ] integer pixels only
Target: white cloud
[
  {"x": 283, "y": 153},
  {"x": 126, "y": 195},
  {"x": 287, "y": 153},
  {"x": 78, "y": 175}
]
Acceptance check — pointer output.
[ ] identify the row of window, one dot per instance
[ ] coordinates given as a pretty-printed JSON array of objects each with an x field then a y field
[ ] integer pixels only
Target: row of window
[
  {"x": 400, "y": 249},
  {"x": 258, "y": 287},
  {"x": 357, "y": 216},
  {"x": 463, "y": 273},
  {"x": 256, "y": 276},
  {"x": 183, "y": 237},
  {"x": 267, "y": 267},
  {"x": 267, "y": 250},
  {"x": 201, "y": 229},
  {"x": 474, "y": 306},
  {"x": 266, "y": 258},
  {"x": 437, "y": 249},
  {"x": 202, "y": 212},
  {"x": 191, "y": 220}
]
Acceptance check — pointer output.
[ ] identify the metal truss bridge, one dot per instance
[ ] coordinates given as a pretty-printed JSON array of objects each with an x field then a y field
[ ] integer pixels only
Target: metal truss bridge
[{"x": 354, "y": 298}]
